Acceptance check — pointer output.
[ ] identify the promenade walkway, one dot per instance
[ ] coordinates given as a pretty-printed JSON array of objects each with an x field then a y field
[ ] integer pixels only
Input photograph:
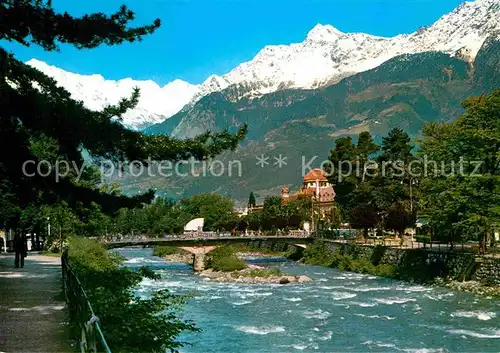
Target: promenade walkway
[{"x": 32, "y": 313}]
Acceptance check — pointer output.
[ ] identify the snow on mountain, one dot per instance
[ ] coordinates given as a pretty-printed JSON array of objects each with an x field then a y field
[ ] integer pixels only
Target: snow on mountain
[
  {"x": 328, "y": 54},
  {"x": 155, "y": 105},
  {"x": 324, "y": 57}
]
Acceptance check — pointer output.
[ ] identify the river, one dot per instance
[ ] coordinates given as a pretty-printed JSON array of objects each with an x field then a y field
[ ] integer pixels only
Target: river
[{"x": 338, "y": 312}]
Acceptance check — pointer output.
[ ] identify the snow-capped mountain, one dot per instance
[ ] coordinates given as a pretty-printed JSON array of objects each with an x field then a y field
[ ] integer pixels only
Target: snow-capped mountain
[
  {"x": 155, "y": 105},
  {"x": 324, "y": 57}
]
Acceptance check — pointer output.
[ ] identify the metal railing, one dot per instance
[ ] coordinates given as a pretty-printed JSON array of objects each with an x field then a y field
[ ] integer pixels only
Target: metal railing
[
  {"x": 91, "y": 337},
  {"x": 204, "y": 236}
]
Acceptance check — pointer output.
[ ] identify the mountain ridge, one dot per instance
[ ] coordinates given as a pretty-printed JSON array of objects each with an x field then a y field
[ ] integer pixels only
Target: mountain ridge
[
  {"x": 323, "y": 58},
  {"x": 407, "y": 92}
]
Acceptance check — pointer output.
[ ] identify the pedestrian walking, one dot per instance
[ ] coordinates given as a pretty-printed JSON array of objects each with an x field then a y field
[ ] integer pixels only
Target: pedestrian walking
[{"x": 21, "y": 249}]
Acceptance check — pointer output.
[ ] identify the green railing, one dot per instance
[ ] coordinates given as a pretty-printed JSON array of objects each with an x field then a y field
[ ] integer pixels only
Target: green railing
[{"x": 90, "y": 335}]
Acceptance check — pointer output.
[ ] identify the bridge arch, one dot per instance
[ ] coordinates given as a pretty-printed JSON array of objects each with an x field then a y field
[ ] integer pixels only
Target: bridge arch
[{"x": 201, "y": 246}]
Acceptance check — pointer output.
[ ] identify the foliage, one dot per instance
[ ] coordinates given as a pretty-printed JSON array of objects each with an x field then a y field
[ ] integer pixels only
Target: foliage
[
  {"x": 268, "y": 272},
  {"x": 462, "y": 200},
  {"x": 228, "y": 264},
  {"x": 376, "y": 188},
  {"x": 278, "y": 215},
  {"x": 398, "y": 219},
  {"x": 319, "y": 254},
  {"x": 164, "y": 250},
  {"x": 129, "y": 323},
  {"x": 364, "y": 216},
  {"x": 40, "y": 120},
  {"x": 215, "y": 209},
  {"x": 251, "y": 200},
  {"x": 224, "y": 259}
]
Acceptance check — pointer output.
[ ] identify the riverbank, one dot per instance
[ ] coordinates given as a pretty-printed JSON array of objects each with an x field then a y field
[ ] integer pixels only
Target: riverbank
[
  {"x": 457, "y": 271},
  {"x": 473, "y": 287},
  {"x": 326, "y": 314}
]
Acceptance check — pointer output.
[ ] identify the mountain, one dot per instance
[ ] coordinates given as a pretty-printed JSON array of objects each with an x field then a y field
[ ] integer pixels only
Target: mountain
[
  {"x": 326, "y": 56},
  {"x": 407, "y": 91},
  {"x": 156, "y": 103}
]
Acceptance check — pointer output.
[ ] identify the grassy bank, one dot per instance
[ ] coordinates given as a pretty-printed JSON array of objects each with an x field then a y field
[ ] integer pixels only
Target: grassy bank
[
  {"x": 318, "y": 254},
  {"x": 126, "y": 319},
  {"x": 224, "y": 259}
]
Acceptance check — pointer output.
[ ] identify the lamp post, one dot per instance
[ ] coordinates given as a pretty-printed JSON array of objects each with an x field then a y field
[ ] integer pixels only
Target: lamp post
[{"x": 48, "y": 227}]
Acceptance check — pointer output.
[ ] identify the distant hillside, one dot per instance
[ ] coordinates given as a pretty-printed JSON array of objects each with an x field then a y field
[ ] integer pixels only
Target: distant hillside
[{"x": 407, "y": 91}]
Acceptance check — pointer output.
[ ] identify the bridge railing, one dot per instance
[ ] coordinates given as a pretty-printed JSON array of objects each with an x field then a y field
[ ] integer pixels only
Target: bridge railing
[
  {"x": 205, "y": 235},
  {"x": 91, "y": 337}
]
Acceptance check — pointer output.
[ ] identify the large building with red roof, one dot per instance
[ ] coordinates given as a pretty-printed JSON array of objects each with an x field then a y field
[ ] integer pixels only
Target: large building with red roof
[{"x": 315, "y": 185}]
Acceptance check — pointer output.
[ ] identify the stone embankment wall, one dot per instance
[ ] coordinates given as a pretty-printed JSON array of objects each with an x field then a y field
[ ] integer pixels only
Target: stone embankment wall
[
  {"x": 411, "y": 264},
  {"x": 488, "y": 271},
  {"x": 294, "y": 252},
  {"x": 425, "y": 264}
]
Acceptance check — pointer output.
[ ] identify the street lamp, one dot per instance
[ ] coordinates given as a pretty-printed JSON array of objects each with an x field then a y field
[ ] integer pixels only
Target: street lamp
[{"x": 48, "y": 227}]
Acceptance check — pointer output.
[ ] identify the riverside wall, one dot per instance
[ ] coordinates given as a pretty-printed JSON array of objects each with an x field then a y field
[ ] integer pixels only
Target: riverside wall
[
  {"x": 425, "y": 264},
  {"x": 294, "y": 251},
  {"x": 421, "y": 265}
]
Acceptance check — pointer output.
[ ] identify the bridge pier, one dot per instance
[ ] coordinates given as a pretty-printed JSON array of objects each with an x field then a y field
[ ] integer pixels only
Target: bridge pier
[{"x": 198, "y": 262}]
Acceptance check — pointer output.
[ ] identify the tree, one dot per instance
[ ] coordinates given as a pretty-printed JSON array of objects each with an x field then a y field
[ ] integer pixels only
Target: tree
[
  {"x": 215, "y": 209},
  {"x": 365, "y": 148},
  {"x": 464, "y": 192},
  {"x": 272, "y": 213},
  {"x": 396, "y": 146},
  {"x": 251, "y": 200},
  {"x": 343, "y": 178},
  {"x": 398, "y": 219},
  {"x": 364, "y": 216},
  {"x": 395, "y": 189},
  {"x": 35, "y": 108}
]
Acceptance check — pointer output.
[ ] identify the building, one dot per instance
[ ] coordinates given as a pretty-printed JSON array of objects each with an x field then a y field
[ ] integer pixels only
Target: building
[{"x": 316, "y": 186}]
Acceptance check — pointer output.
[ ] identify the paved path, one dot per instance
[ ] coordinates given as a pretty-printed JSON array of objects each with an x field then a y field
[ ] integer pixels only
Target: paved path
[{"x": 32, "y": 314}]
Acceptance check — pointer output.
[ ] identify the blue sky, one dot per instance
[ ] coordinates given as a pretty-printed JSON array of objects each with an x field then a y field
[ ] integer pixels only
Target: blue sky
[{"x": 201, "y": 37}]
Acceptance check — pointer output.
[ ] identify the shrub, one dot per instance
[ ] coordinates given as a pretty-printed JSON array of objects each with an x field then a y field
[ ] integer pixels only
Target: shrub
[
  {"x": 227, "y": 264},
  {"x": 224, "y": 259},
  {"x": 163, "y": 250},
  {"x": 386, "y": 271},
  {"x": 129, "y": 323},
  {"x": 318, "y": 254}
]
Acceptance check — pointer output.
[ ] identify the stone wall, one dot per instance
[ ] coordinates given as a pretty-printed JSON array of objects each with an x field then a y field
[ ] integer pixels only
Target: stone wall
[
  {"x": 294, "y": 251},
  {"x": 488, "y": 271},
  {"x": 411, "y": 264},
  {"x": 425, "y": 264}
]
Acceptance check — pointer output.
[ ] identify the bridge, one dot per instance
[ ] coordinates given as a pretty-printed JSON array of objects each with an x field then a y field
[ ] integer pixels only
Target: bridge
[{"x": 201, "y": 244}]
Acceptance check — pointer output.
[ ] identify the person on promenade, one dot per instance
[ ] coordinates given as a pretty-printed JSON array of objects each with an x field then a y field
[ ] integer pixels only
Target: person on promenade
[{"x": 20, "y": 248}]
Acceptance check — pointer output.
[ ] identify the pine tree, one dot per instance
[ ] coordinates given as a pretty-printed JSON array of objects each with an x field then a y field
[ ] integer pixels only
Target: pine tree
[
  {"x": 251, "y": 200},
  {"x": 34, "y": 108}
]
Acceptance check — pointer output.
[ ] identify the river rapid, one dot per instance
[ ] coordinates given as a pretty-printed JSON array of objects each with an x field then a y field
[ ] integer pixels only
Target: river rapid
[{"x": 337, "y": 312}]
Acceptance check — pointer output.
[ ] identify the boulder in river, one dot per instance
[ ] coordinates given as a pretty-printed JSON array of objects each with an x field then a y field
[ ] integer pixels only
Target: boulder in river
[
  {"x": 284, "y": 280},
  {"x": 303, "y": 279}
]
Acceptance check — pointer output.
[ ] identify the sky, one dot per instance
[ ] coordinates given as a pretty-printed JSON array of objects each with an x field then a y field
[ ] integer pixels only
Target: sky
[{"x": 203, "y": 37}]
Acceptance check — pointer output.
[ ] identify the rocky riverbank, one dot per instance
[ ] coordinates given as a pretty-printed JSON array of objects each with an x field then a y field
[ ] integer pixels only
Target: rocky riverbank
[
  {"x": 474, "y": 287},
  {"x": 254, "y": 274}
]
